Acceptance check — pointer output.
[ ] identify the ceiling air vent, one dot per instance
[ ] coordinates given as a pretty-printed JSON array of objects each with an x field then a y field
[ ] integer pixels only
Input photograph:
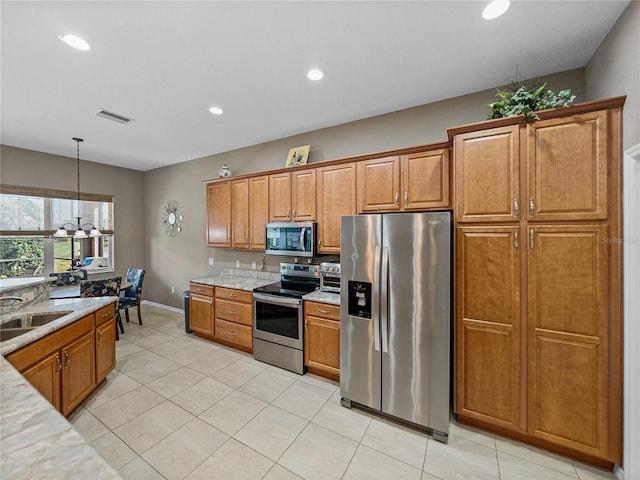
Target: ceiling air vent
[{"x": 113, "y": 116}]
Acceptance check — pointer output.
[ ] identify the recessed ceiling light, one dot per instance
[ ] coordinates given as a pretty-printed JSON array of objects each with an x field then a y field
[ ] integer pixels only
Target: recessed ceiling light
[
  {"x": 315, "y": 74},
  {"x": 75, "y": 42},
  {"x": 495, "y": 9},
  {"x": 216, "y": 110}
]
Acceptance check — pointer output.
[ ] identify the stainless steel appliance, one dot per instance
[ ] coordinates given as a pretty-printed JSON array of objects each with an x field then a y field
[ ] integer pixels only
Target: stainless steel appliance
[
  {"x": 330, "y": 277},
  {"x": 291, "y": 238},
  {"x": 278, "y": 316},
  {"x": 395, "y": 316}
]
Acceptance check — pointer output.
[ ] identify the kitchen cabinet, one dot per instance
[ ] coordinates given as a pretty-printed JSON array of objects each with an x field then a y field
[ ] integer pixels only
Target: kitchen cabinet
[
  {"x": 413, "y": 182},
  {"x": 201, "y": 308},
  {"x": 219, "y": 214},
  {"x": 336, "y": 197},
  {"x": 538, "y": 309},
  {"x": 292, "y": 196},
  {"x": 61, "y": 366},
  {"x": 234, "y": 318},
  {"x": 322, "y": 339},
  {"x": 105, "y": 324},
  {"x": 566, "y": 168},
  {"x": 249, "y": 212}
]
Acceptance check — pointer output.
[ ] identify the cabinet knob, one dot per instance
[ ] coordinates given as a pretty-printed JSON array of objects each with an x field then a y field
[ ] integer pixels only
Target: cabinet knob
[
  {"x": 67, "y": 359},
  {"x": 99, "y": 337},
  {"x": 516, "y": 208},
  {"x": 531, "y": 234},
  {"x": 532, "y": 207},
  {"x": 516, "y": 243},
  {"x": 58, "y": 365},
  {"x": 406, "y": 199},
  {"x": 396, "y": 199}
]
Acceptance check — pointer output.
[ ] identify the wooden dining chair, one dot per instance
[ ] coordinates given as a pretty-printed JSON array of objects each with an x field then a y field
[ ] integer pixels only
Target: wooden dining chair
[
  {"x": 108, "y": 287},
  {"x": 132, "y": 295}
]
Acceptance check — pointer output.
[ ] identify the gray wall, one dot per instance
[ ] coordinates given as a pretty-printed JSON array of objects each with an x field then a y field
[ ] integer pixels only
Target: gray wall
[
  {"x": 615, "y": 70},
  {"x": 173, "y": 261},
  {"x": 36, "y": 169}
]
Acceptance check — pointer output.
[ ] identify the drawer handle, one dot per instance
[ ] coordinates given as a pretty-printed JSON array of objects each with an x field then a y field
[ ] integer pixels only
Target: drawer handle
[
  {"x": 67, "y": 359},
  {"x": 232, "y": 333},
  {"x": 105, "y": 315},
  {"x": 323, "y": 311},
  {"x": 58, "y": 365},
  {"x": 200, "y": 290},
  {"x": 99, "y": 337},
  {"x": 232, "y": 312},
  {"x": 232, "y": 295}
]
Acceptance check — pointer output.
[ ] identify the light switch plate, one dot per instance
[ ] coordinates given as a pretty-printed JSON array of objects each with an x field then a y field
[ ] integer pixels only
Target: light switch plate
[{"x": 211, "y": 262}]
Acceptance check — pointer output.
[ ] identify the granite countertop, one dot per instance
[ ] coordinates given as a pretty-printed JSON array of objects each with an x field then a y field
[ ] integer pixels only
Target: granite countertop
[
  {"x": 323, "y": 297},
  {"x": 37, "y": 441},
  {"x": 75, "y": 308},
  {"x": 243, "y": 280},
  {"x": 8, "y": 285}
]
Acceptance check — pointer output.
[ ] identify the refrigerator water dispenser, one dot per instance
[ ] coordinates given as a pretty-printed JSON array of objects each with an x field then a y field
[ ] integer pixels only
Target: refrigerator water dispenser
[{"x": 360, "y": 299}]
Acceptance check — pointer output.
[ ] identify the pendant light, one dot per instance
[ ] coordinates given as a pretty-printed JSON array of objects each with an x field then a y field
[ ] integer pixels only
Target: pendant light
[{"x": 79, "y": 229}]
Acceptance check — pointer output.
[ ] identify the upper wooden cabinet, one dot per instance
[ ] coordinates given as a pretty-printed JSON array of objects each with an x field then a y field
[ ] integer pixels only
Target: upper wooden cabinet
[
  {"x": 336, "y": 197},
  {"x": 249, "y": 212},
  {"x": 548, "y": 170},
  {"x": 292, "y": 196},
  {"x": 567, "y": 167},
  {"x": 418, "y": 181},
  {"x": 487, "y": 175},
  {"x": 219, "y": 214}
]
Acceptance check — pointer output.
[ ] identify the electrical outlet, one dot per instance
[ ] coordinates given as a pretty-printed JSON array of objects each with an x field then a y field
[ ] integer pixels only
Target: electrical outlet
[
  {"x": 173, "y": 289},
  {"x": 253, "y": 265},
  {"x": 211, "y": 262},
  {"x": 237, "y": 263}
]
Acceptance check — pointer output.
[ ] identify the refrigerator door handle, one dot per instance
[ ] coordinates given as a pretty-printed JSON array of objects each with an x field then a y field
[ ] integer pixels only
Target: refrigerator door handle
[
  {"x": 384, "y": 301},
  {"x": 376, "y": 300}
]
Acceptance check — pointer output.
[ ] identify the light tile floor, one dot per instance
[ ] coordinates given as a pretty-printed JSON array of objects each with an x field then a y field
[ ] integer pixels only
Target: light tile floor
[{"x": 181, "y": 407}]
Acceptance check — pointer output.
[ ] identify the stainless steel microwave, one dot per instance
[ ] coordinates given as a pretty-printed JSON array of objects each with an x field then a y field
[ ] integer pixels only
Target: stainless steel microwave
[{"x": 297, "y": 239}]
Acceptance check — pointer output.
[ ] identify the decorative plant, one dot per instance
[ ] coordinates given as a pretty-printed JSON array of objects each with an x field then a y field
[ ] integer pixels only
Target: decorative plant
[{"x": 525, "y": 100}]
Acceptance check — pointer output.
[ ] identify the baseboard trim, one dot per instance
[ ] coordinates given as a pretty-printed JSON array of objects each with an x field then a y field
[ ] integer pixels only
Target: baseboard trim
[{"x": 163, "y": 306}]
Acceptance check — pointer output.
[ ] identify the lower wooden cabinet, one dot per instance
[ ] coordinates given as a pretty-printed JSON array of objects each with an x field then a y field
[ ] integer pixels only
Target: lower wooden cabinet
[
  {"x": 234, "y": 318},
  {"x": 322, "y": 339},
  {"x": 532, "y": 336},
  {"x": 105, "y": 342},
  {"x": 61, "y": 366},
  {"x": 201, "y": 308}
]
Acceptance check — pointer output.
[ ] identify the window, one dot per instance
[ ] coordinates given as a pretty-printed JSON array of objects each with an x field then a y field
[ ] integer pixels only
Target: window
[{"x": 29, "y": 217}]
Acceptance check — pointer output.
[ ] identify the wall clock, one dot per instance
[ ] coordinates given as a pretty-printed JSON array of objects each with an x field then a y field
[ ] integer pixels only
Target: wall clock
[{"x": 172, "y": 218}]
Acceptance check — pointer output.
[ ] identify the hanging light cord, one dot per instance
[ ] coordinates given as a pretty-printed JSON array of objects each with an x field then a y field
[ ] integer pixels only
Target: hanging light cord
[{"x": 78, "y": 140}]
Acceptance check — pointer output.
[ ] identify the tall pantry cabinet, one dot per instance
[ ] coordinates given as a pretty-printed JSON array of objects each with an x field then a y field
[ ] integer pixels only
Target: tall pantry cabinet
[{"x": 538, "y": 278}]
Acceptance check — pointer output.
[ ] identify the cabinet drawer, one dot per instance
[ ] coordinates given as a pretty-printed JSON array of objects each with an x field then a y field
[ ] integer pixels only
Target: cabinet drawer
[
  {"x": 234, "y": 311},
  {"x": 34, "y": 352},
  {"x": 105, "y": 314},
  {"x": 234, "y": 295},
  {"x": 324, "y": 310},
  {"x": 201, "y": 289},
  {"x": 233, "y": 332}
]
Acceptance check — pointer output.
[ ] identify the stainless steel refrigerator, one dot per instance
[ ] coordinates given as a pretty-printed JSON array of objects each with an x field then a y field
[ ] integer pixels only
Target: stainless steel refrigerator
[{"x": 395, "y": 316}]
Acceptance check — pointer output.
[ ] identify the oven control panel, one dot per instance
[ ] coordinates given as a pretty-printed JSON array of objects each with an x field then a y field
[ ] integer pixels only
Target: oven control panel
[{"x": 300, "y": 270}]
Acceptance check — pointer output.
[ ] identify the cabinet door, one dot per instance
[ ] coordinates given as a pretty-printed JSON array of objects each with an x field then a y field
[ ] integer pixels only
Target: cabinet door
[
  {"x": 45, "y": 377},
  {"x": 280, "y": 197},
  {"x": 567, "y": 163},
  {"x": 322, "y": 346},
  {"x": 201, "y": 313},
  {"x": 303, "y": 195},
  {"x": 425, "y": 180},
  {"x": 240, "y": 214},
  {"x": 105, "y": 349},
  {"x": 336, "y": 197},
  {"x": 568, "y": 337},
  {"x": 488, "y": 325},
  {"x": 487, "y": 175},
  {"x": 379, "y": 185},
  {"x": 258, "y": 211},
  {"x": 78, "y": 372},
  {"x": 219, "y": 215}
]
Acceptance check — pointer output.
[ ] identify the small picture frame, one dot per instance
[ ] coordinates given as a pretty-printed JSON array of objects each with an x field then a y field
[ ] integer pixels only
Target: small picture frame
[{"x": 298, "y": 156}]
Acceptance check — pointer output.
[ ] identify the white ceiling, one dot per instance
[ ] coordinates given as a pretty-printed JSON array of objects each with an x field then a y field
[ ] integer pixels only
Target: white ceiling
[{"x": 165, "y": 63}]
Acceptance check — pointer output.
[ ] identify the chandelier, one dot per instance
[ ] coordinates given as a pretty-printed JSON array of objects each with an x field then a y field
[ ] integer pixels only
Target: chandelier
[{"x": 79, "y": 228}]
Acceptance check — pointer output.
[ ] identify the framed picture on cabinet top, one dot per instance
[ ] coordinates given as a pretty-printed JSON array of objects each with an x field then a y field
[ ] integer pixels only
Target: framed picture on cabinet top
[{"x": 298, "y": 156}]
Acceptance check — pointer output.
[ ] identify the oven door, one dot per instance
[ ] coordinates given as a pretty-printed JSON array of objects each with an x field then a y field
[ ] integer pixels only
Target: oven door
[{"x": 278, "y": 319}]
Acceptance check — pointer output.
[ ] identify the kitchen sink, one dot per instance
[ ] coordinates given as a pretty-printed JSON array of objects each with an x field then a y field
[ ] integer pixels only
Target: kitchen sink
[
  {"x": 25, "y": 323},
  {"x": 9, "y": 333}
]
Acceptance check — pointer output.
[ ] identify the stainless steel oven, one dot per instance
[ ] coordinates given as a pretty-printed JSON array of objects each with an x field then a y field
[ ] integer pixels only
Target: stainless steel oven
[
  {"x": 278, "y": 316},
  {"x": 330, "y": 277}
]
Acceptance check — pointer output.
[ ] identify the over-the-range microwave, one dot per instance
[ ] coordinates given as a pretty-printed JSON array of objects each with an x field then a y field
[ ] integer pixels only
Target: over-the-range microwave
[{"x": 297, "y": 239}]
